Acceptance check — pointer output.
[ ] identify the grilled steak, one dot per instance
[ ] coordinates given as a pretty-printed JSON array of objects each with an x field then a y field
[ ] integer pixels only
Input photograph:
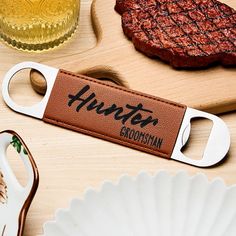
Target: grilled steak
[{"x": 185, "y": 33}]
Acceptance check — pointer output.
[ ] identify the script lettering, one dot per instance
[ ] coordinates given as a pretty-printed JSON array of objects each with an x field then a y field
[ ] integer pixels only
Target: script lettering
[{"x": 133, "y": 114}]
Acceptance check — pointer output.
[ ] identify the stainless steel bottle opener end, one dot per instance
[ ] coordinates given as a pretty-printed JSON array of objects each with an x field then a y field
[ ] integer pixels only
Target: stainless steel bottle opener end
[
  {"x": 36, "y": 110},
  {"x": 217, "y": 146}
]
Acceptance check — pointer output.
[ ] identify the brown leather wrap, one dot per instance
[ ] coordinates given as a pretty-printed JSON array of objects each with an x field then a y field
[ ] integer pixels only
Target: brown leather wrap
[{"x": 156, "y": 136}]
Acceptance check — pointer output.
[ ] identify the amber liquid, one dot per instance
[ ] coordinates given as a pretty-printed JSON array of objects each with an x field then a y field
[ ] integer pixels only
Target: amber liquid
[{"x": 37, "y": 24}]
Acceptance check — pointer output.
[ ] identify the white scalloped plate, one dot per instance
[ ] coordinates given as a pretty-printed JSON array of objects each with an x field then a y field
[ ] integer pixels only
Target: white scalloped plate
[{"x": 160, "y": 205}]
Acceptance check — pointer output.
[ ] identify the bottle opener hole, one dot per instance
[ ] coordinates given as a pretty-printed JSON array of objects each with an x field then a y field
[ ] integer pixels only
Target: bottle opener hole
[
  {"x": 21, "y": 91},
  {"x": 197, "y": 141}
]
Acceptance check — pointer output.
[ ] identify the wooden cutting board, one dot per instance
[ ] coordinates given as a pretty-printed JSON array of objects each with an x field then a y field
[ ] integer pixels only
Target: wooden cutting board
[
  {"x": 70, "y": 162},
  {"x": 114, "y": 56}
]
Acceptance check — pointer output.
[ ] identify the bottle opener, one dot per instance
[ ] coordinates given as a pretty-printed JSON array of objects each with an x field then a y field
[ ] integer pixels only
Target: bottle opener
[
  {"x": 134, "y": 119},
  {"x": 15, "y": 199}
]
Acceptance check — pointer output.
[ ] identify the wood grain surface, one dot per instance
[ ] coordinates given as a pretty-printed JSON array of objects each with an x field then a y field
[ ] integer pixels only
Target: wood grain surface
[
  {"x": 70, "y": 162},
  {"x": 115, "y": 54}
]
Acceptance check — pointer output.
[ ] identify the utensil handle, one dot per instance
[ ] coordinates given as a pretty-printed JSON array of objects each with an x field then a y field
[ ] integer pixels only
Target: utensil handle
[{"x": 11, "y": 138}]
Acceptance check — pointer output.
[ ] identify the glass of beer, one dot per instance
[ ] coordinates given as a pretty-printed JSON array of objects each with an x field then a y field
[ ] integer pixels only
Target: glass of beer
[{"x": 35, "y": 25}]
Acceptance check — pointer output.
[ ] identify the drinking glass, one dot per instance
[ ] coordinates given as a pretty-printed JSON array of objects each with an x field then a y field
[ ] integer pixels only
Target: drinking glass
[{"x": 38, "y": 24}]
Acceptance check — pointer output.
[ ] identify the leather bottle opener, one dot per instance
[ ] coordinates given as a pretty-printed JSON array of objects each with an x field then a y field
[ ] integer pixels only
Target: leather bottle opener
[
  {"x": 134, "y": 119},
  {"x": 15, "y": 199}
]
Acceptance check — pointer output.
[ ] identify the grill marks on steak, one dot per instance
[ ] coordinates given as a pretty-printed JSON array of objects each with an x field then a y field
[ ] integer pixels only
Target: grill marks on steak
[{"x": 185, "y": 33}]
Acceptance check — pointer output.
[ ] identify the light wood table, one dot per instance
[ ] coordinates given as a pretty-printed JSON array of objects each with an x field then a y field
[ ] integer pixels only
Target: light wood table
[{"x": 70, "y": 162}]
